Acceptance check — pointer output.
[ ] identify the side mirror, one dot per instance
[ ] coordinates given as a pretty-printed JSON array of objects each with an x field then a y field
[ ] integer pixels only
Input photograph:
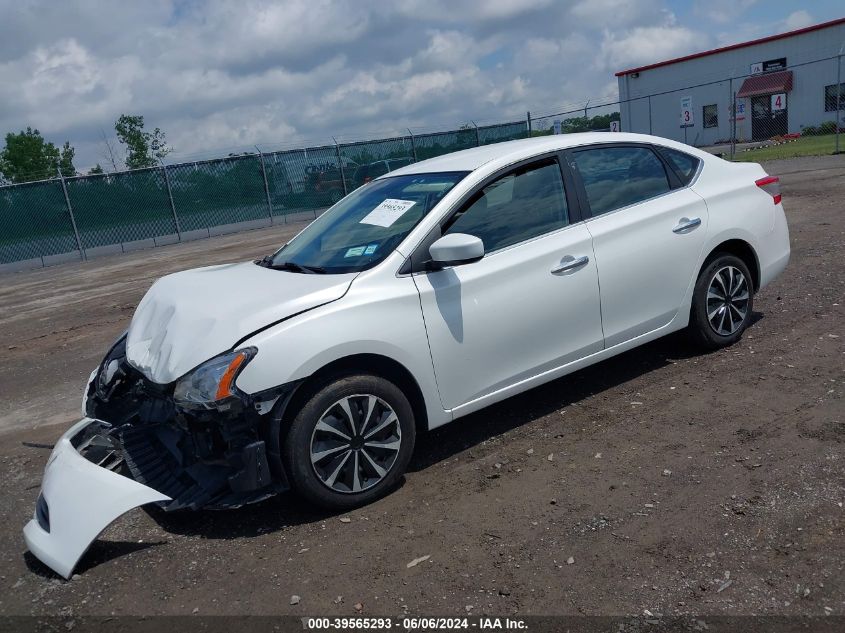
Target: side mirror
[{"x": 455, "y": 249}]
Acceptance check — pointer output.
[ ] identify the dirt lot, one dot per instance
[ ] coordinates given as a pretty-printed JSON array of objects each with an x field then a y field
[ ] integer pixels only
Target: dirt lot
[{"x": 662, "y": 479}]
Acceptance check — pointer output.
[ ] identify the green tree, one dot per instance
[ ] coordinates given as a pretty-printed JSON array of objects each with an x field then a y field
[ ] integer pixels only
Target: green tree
[
  {"x": 27, "y": 157},
  {"x": 66, "y": 160},
  {"x": 96, "y": 169},
  {"x": 143, "y": 149}
]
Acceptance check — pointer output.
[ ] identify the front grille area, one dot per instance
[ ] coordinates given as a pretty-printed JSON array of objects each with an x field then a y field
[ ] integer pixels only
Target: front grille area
[
  {"x": 42, "y": 513},
  {"x": 198, "y": 458},
  {"x": 151, "y": 464}
]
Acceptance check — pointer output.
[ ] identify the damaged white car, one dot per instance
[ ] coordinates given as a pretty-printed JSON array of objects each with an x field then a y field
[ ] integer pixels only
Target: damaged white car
[{"x": 425, "y": 295}]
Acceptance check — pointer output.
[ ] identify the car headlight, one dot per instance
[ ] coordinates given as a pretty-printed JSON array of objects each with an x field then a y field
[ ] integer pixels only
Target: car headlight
[
  {"x": 214, "y": 380},
  {"x": 110, "y": 364}
]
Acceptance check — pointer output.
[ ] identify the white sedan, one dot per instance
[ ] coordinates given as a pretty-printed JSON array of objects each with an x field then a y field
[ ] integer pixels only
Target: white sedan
[{"x": 427, "y": 294}]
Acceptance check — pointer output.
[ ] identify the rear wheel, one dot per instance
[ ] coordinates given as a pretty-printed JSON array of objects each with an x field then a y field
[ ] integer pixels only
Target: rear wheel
[
  {"x": 722, "y": 302},
  {"x": 351, "y": 442}
]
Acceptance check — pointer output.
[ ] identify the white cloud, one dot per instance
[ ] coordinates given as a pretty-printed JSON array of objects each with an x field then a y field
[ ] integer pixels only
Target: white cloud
[
  {"x": 796, "y": 20},
  {"x": 608, "y": 13},
  {"x": 220, "y": 75},
  {"x": 722, "y": 11},
  {"x": 648, "y": 44}
]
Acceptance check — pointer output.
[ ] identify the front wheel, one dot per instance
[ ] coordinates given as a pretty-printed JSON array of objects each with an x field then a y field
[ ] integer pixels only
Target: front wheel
[
  {"x": 351, "y": 442},
  {"x": 722, "y": 302}
]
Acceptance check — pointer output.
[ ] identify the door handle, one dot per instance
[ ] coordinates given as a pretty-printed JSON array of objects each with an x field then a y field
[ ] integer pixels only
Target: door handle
[
  {"x": 571, "y": 263},
  {"x": 686, "y": 225}
]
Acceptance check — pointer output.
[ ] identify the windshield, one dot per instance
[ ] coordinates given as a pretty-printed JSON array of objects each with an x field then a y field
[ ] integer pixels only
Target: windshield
[{"x": 364, "y": 228}]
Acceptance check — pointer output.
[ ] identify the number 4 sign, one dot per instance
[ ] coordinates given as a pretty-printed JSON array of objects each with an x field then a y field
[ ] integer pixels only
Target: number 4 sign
[{"x": 779, "y": 101}]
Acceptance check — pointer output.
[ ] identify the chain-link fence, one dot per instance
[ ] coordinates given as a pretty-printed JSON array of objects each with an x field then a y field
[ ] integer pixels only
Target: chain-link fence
[
  {"x": 67, "y": 219},
  {"x": 777, "y": 112}
]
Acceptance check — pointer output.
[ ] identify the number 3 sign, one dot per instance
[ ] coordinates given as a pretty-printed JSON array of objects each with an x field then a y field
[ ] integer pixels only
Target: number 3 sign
[{"x": 686, "y": 112}]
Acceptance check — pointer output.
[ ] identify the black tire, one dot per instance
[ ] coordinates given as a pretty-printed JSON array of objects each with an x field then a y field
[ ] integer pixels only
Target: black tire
[
  {"x": 297, "y": 449},
  {"x": 706, "y": 333}
]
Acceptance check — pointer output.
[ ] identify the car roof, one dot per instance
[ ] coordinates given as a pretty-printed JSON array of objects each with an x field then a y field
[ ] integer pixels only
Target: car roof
[{"x": 508, "y": 152}]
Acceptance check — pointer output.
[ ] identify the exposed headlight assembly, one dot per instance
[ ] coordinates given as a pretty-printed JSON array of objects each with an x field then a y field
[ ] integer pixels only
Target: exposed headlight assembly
[
  {"x": 212, "y": 381},
  {"x": 110, "y": 365}
]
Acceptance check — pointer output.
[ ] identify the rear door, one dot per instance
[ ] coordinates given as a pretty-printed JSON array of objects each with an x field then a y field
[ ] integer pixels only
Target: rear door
[
  {"x": 648, "y": 230},
  {"x": 530, "y": 305}
]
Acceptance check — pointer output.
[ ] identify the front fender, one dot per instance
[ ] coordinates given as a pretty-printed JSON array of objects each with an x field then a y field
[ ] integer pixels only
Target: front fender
[{"x": 370, "y": 319}]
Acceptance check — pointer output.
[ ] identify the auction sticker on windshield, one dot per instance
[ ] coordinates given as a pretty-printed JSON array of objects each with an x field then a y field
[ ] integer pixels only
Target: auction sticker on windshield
[{"x": 387, "y": 212}]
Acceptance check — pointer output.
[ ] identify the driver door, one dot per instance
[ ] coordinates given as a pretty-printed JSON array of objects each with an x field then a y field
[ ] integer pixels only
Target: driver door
[{"x": 529, "y": 306}]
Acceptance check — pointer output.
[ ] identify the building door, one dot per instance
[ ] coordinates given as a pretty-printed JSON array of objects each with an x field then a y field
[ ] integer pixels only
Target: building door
[{"x": 765, "y": 121}]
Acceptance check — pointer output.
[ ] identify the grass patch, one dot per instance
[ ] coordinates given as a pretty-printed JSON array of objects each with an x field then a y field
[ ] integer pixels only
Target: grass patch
[{"x": 804, "y": 146}]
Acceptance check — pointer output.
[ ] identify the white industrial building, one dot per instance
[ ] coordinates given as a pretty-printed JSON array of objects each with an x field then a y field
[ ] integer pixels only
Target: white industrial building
[{"x": 783, "y": 84}]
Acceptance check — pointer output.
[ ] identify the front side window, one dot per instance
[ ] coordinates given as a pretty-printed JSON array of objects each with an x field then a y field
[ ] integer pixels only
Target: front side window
[
  {"x": 520, "y": 205},
  {"x": 615, "y": 177},
  {"x": 710, "y": 116},
  {"x": 366, "y": 226}
]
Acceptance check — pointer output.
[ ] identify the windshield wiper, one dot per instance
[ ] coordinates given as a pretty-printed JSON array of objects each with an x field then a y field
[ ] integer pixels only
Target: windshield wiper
[{"x": 297, "y": 268}]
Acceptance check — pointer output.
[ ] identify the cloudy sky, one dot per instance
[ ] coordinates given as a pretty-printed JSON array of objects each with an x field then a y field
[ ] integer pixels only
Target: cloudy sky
[{"x": 222, "y": 76}]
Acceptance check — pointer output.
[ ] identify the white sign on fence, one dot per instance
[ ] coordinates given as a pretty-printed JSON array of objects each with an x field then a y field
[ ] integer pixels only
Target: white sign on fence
[
  {"x": 738, "y": 111},
  {"x": 779, "y": 101},
  {"x": 614, "y": 126},
  {"x": 687, "y": 119}
]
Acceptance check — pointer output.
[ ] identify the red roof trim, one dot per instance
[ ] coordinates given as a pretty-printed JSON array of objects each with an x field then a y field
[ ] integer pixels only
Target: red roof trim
[{"x": 770, "y": 38}]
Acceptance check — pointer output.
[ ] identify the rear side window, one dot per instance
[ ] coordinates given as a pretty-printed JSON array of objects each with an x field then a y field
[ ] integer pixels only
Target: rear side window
[
  {"x": 684, "y": 164},
  {"x": 616, "y": 177},
  {"x": 523, "y": 204}
]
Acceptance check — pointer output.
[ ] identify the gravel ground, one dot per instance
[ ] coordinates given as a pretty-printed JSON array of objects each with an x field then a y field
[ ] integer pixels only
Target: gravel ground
[{"x": 660, "y": 480}]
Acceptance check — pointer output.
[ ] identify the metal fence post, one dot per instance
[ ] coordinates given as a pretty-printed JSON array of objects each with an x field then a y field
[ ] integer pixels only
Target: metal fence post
[
  {"x": 266, "y": 186},
  {"x": 477, "y": 137},
  {"x": 838, "y": 96},
  {"x": 172, "y": 204},
  {"x": 340, "y": 164},
  {"x": 413, "y": 145},
  {"x": 82, "y": 253},
  {"x": 732, "y": 113},
  {"x": 528, "y": 120},
  {"x": 649, "y": 115}
]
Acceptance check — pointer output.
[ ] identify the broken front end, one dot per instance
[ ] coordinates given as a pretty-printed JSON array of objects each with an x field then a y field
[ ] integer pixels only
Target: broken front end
[{"x": 198, "y": 442}]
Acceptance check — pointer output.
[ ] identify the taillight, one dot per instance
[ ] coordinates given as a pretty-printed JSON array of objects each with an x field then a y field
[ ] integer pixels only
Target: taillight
[{"x": 771, "y": 185}]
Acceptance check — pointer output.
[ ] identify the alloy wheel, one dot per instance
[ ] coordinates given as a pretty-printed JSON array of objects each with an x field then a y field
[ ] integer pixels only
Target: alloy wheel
[
  {"x": 355, "y": 443},
  {"x": 727, "y": 300}
]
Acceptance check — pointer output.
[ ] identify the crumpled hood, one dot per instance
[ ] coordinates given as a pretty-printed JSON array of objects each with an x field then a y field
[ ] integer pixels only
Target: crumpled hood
[{"x": 188, "y": 317}]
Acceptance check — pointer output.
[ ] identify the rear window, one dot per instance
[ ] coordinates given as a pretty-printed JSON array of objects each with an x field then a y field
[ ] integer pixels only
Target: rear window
[{"x": 684, "y": 164}]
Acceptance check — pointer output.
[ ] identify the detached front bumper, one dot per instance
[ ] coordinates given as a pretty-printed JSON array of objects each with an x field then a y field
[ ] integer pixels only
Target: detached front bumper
[
  {"x": 78, "y": 500},
  {"x": 136, "y": 446}
]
